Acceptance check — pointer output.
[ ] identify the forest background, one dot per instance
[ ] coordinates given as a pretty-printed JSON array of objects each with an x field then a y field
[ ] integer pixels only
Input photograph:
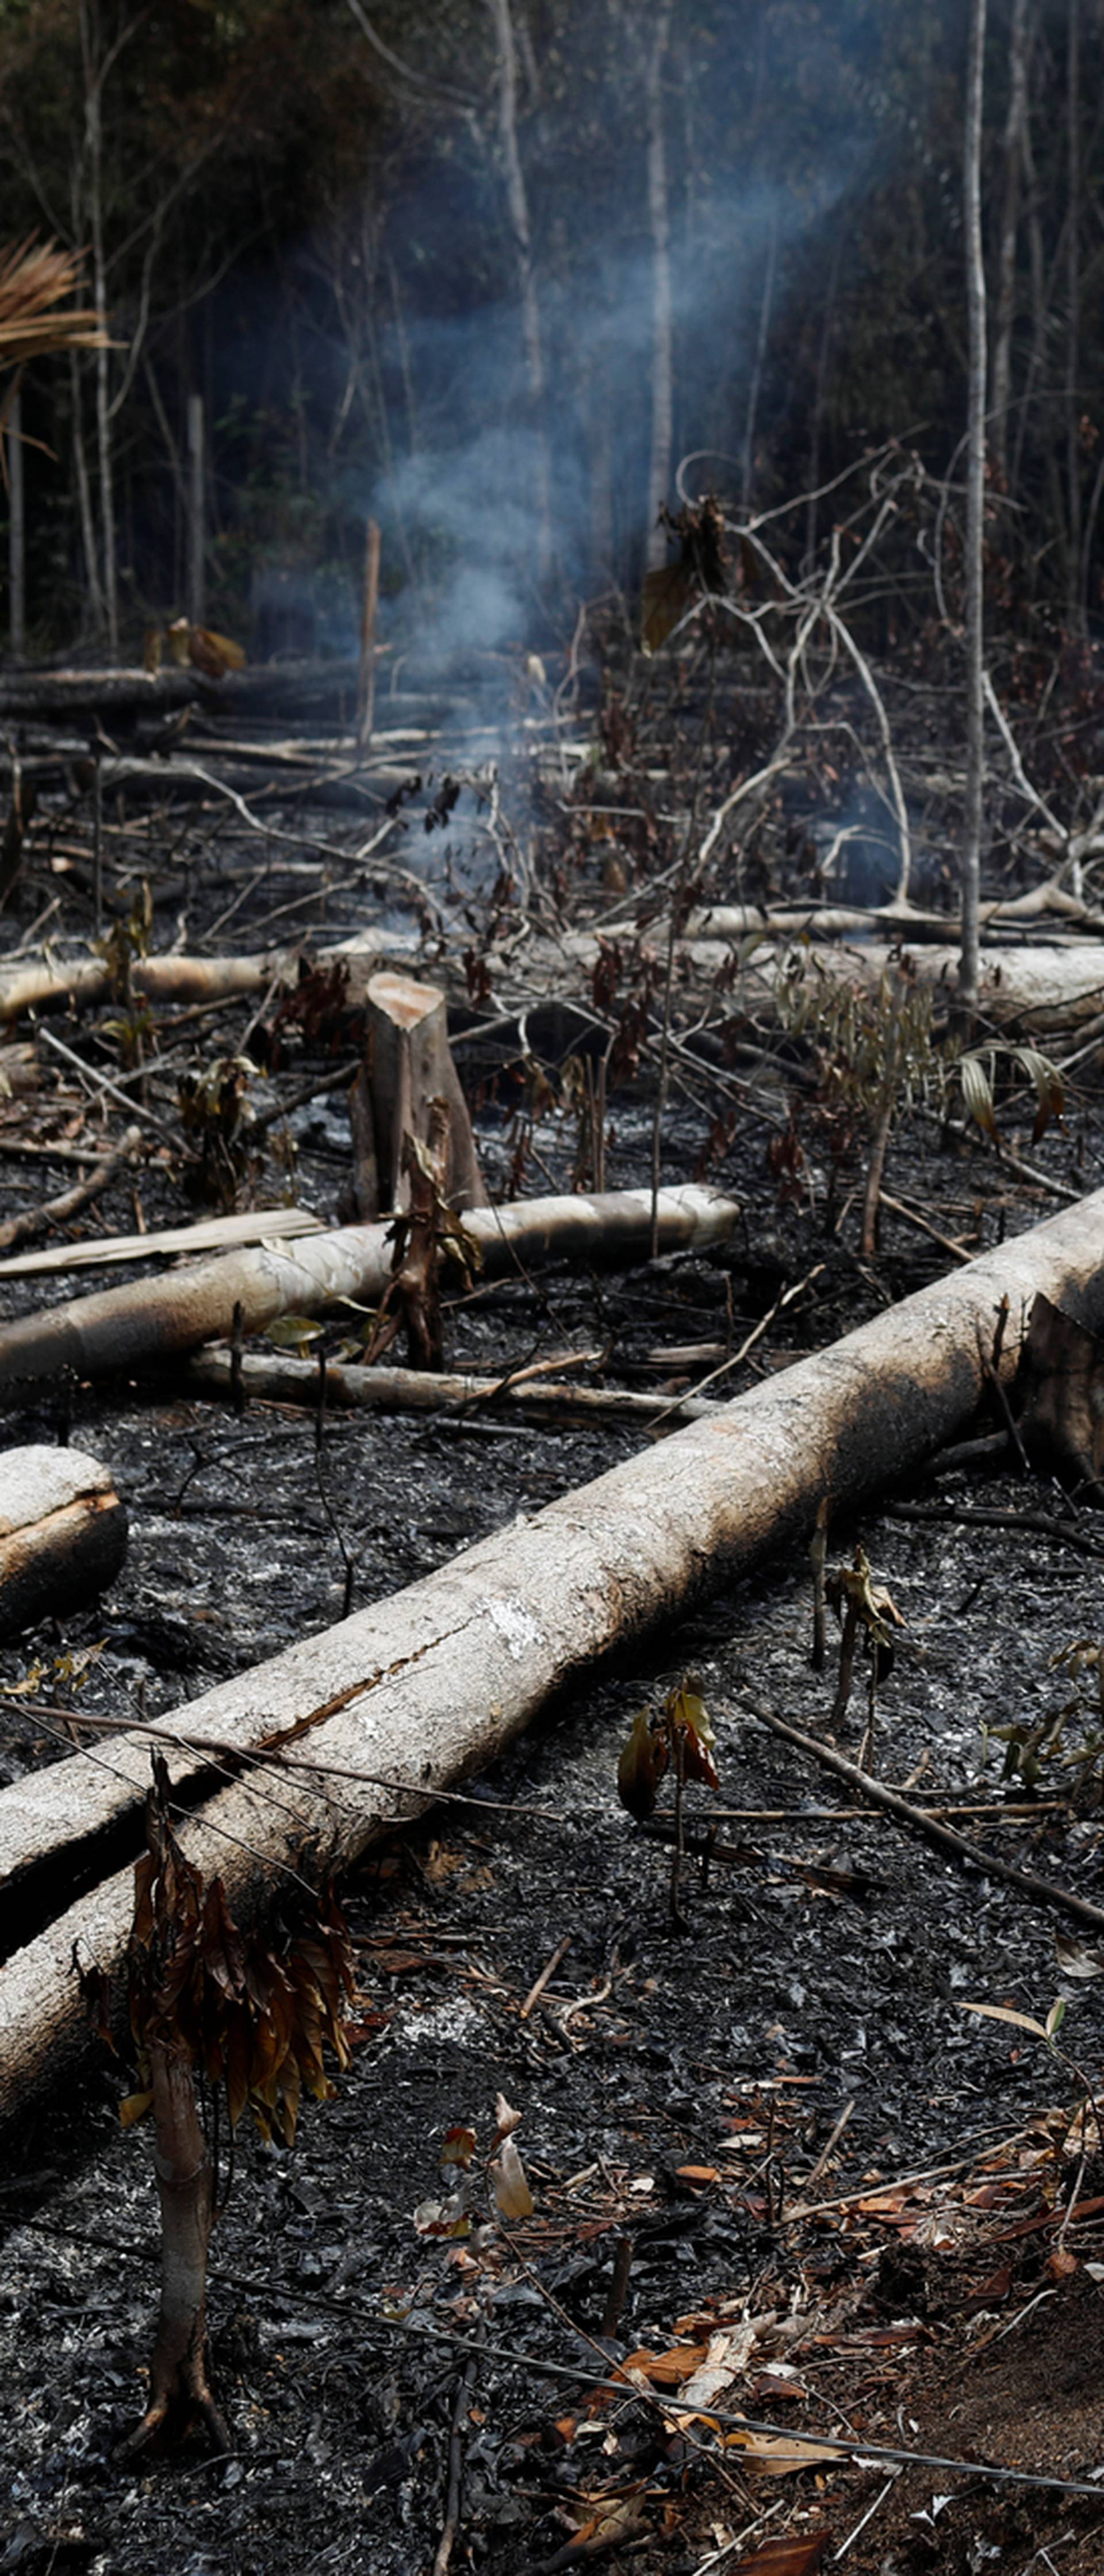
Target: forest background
[{"x": 486, "y": 270}]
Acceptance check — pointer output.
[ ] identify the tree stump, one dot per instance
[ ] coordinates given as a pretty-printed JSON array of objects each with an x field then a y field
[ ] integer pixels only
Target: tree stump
[{"x": 407, "y": 1064}]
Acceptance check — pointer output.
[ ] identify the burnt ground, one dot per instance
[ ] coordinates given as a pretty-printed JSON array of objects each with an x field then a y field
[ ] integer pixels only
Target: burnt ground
[{"x": 836, "y": 2189}]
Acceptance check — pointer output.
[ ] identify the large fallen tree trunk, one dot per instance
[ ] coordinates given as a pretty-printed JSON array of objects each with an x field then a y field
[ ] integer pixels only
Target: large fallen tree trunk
[
  {"x": 1053, "y": 984},
  {"x": 419, "y": 1689},
  {"x": 155, "y": 1319},
  {"x": 63, "y": 1533}
]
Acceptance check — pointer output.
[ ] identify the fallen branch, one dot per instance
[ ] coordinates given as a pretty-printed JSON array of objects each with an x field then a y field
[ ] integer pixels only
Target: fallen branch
[
  {"x": 435, "y": 1681},
  {"x": 920, "y": 1820},
  {"x": 284, "y": 1380},
  {"x": 38, "y": 1220}
]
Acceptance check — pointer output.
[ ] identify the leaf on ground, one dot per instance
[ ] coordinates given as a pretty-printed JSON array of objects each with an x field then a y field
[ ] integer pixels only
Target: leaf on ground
[
  {"x": 1004, "y": 2012},
  {"x": 780, "y": 2455},
  {"x": 665, "y": 2369},
  {"x": 458, "y": 2147},
  {"x": 511, "y": 2190},
  {"x": 1075, "y": 1960},
  {"x": 801, "y": 2555}
]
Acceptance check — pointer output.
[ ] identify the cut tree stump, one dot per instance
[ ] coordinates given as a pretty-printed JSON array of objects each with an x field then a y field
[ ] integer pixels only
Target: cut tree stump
[
  {"x": 63, "y": 1533},
  {"x": 382, "y": 1711},
  {"x": 407, "y": 1064}
]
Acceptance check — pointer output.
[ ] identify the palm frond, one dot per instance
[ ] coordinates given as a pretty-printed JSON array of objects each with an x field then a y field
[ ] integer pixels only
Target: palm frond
[{"x": 35, "y": 279}]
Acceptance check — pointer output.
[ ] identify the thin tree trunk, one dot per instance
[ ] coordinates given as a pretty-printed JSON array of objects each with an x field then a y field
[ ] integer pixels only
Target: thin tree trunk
[
  {"x": 820, "y": 391},
  {"x": 84, "y": 502},
  {"x": 518, "y": 203},
  {"x": 197, "y": 533},
  {"x": 93, "y": 113},
  {"x": 766, "y": 305},
  {"x": 659, "y": 469},
  {"x": 1074, "y": 614},
  {"x": 17, "y": 560},
  {"x": 1015, "y": 122},
  {"x": 178, "y": 2371},
  {"x": 975, "y": 513}
]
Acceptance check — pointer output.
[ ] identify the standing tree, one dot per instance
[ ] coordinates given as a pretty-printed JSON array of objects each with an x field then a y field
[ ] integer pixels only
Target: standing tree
[{"x": 975, "y": 512}]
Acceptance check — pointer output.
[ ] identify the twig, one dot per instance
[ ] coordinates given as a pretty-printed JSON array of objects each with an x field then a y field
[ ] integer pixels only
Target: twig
[
  {"x": 447, "y": 2541},
  {"x": 38, "y": 1220},
  {"x": 547, "y": 1973},
  {"x": 1044, "y": 1523},
  {"x": 101, "y": 1082},
  {"x": 756, "y": 1334},
  {"x": 830, "y": 2144},
  {"x": 917, "y": 1820}
]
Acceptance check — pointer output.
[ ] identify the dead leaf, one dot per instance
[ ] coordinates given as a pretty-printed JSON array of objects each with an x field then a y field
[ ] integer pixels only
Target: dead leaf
[
  {"x": 458, "y": 2147},
  {"x": 778, "y": 2455},
  {"x": 1075, "y": 1960},
  {"x": 801, "y": 2555},
  {"x": 665, "y": 2369},
  {"x": 511, "y": 2190},
  {"x": 506, "y": 2120}
]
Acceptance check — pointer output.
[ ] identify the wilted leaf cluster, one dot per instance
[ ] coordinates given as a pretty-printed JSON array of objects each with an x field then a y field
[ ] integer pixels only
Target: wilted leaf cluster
[
  {"x": 254, "y": 2013},
  {"x": 678, "y": 1736}
]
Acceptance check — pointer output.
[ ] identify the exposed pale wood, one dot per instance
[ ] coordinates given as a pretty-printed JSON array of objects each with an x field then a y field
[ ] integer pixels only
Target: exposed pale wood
[
  {"x": 285, "y": 1380},
  {"x": 1045, "y": 983},
  {"x": 426, "y": 1685},
  {"x": 155, "y": 1319},
  {"x": 407, "y": 1064},
  {"x": 104, "y": 1251},
  {"x": 63, "y": 1533}
]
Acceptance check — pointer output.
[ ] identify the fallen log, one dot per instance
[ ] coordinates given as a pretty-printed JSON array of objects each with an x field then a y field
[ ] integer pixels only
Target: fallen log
[
  {"x": 1048, "y": 984},
  {"x": 402, "y": 1699},
  {"x": 63, "y": 1533},
  {"x": 284, "y": 1380},
  {"x": 80, "y": 982},
  {"x": 156, "y": 1319}
]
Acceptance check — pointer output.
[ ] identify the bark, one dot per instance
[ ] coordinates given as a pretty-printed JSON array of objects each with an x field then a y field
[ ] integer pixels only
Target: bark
[
  {"x": 197, "y": 512},
  {"x": 17, "y": 552},
  {"x": 178, "y": 2372},
  {"x": 208, "y": 1234},
  {"x": 63, "y": 1533},
  {"x": 152, "y": 1320},
  {"x": 517, "y": 201},
  {"x": 435, "y": 1681},
  {"x": 1074, "y": 609},
  {"x": 766, "y": 307},
  {"x": 1037, "y": 986},
  {"x": 659, "y": 213},
  {"x": 1005, "y": 315},
  {"x": 283, "y": 1380},
  {"x": 975, "y": 515},
  {"x": 93, "y": 123},
  {"x": 407, "y": 1064}
]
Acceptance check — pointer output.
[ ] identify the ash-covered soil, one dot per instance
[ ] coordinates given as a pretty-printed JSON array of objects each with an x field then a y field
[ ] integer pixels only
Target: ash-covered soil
[{"x": 773, "y": 2142}]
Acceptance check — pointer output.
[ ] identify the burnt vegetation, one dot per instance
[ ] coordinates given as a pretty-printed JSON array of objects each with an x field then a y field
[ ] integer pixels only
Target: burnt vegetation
[{"x": 551, "y": 852}]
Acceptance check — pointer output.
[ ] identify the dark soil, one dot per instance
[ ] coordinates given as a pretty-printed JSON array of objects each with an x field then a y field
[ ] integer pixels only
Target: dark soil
[{"x": 819, "y": 2164}]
